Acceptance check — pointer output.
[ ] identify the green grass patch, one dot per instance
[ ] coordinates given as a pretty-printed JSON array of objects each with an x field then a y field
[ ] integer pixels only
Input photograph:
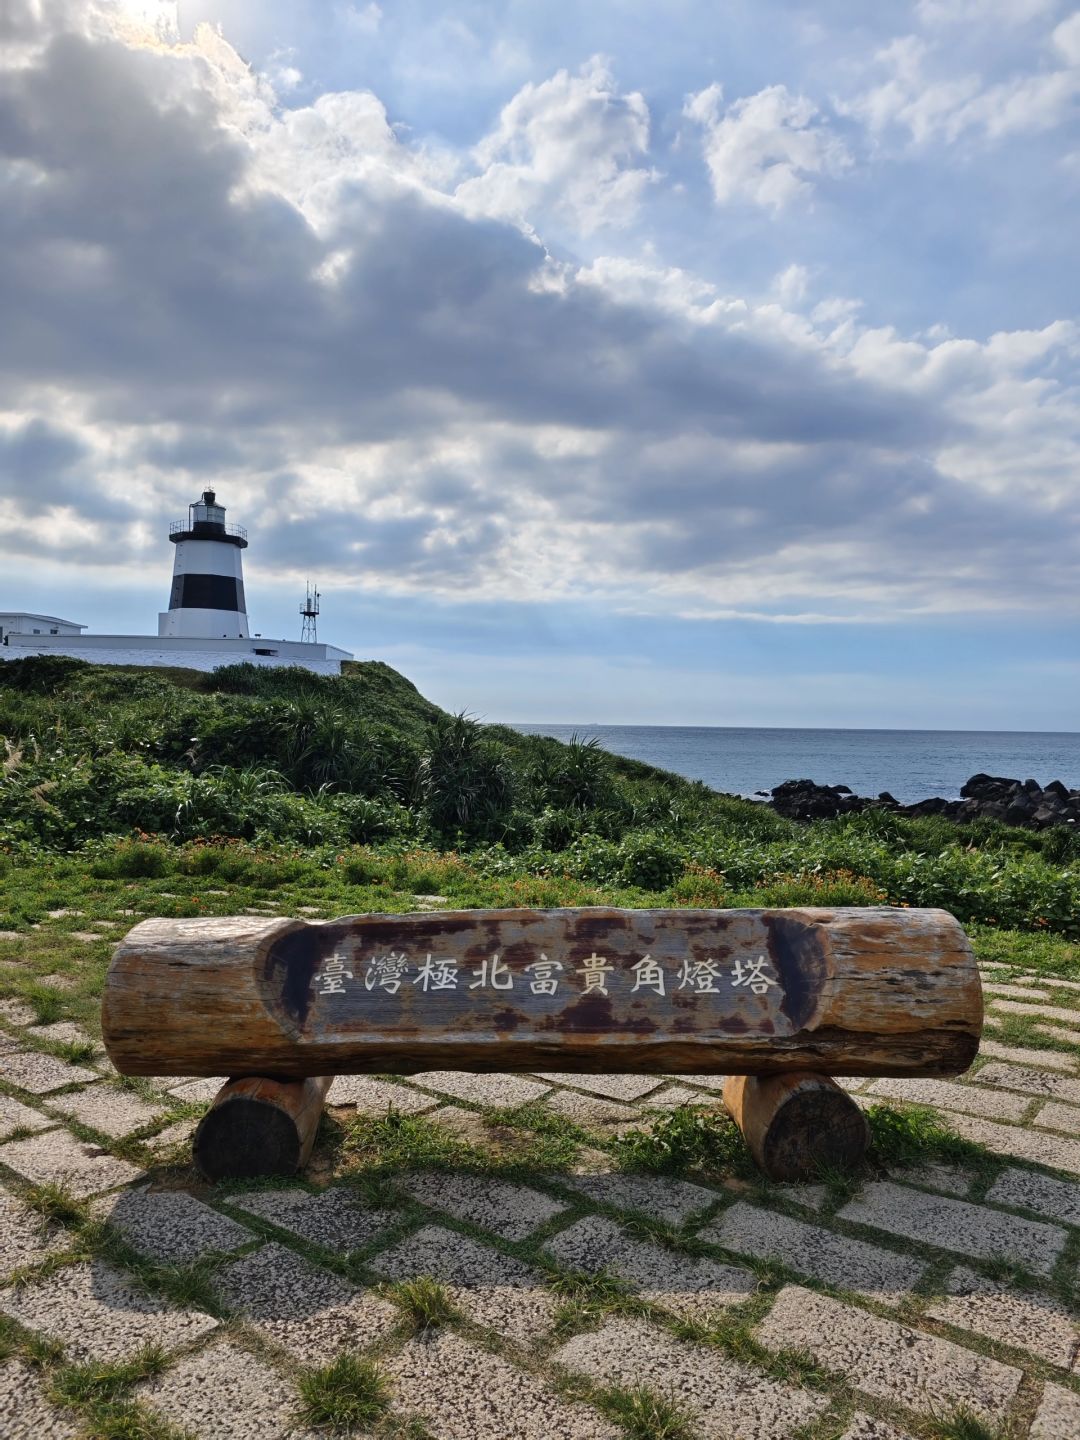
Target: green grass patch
[
  {"x": 348, "y": 1394},
  {"x": 915, "y": 1135},
  {"x": 425, "y": 1303},
  {"x": 688, "y": 1137},
  {"x": 645, "y": 1414}
]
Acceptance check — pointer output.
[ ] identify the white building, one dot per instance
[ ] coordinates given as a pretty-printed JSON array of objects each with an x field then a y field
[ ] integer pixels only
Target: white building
[
  {"x": 20, "y": 622},
  {"x": 205, "y": 626}
]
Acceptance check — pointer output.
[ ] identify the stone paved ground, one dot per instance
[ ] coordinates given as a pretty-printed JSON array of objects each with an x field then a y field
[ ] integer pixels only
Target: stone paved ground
[{"x": 934, "y": 1300}]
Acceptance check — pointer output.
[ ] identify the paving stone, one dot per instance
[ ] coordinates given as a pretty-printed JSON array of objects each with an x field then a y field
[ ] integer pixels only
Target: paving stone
[
  {"x": 888, "y": 1360},
  {"x": 309, "y": 1312},
  {"x": 512, "y": 1211},
  {"x": 58, "y": 982},
  {"x": 612, "y": 1087},
  {"x": 26, "y": 1238},
  {"x": 99, "y": 1314},
  {"x": 14, "y": 1115},
  {"x": 12, "y": 935},
  {"x": 378, "y": 1097},
  {"x": 853, "y": 1084},
  {"x": 691, "y": 1287},
  {"x": 869, "y": 1427},
  {"x": 1013, "y": 992},
  {"x": 39, "y": 1074},
  {"x": 88, "y": 937},
  {"x": 16, "y": 1013},
  {"x": 170, "y": 1225},
  {"x": 707, "y": 1082},
  {"x": 1016, "y": 1317},
  {"x": 9, "y": 1042},
  {"x": 477, "y": 1396},
  {"x": 834, "y": 1259},
  {"x": 951, "y": 1179},
  {"x": 593, "y": 1112},
  {"x": 62, "y": 913},
  {"x": 491, "y": 1288},
  {"x": 200, "y": 1091},
  {"x": 463, "y": 1124},
  {"x": 662, "y": 1198},
  {"x": 1021, "y": 1055},
  {"x": 1031, "y": 1082},
  {"x": 1041, "y": 1012},
  {"x": 956, "y": 1225},
  {"x": 25, "y": 1411},
  {"x": 727, "y": 1400},
  {"x": 225, "y": 1393},
  {"x": 1046, "y": 1195},
  {"x": 181, "y": 1132},
  {"x": 1052, "y": 982},
  {"x": 947, "y": 1095},
  {"x": 798, "y": 1192},
  {"x": 1058, "y": 1415},
  {"x": 1058, "y": 1032},
  {"x": 1053, "y": 1116},
  {"x": 1055, "y": 1151},
  {"x": 114, "y": 1112},
  {"x": 63, "y": 1032},
  {"x": 335, "y": 1219},
  {"x": 672, "y": 1096},
  {"x": 498, "y": 1090},
  {"x": 56, "y": 1157}
]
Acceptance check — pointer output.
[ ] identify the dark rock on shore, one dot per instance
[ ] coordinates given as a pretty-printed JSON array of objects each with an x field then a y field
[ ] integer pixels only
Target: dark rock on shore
[{"x": 994, "y": 797}]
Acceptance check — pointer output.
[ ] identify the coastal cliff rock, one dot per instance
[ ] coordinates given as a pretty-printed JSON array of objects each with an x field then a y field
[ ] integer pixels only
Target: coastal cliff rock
[{"x": 994, "y": 797}]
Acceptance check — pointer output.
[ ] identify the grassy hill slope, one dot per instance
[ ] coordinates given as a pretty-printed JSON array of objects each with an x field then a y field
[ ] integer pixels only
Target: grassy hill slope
[{"x": 285, "y": 761}]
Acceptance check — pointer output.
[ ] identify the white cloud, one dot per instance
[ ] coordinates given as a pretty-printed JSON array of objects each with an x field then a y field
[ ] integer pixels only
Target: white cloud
[
  {"x": 1066, "y": 38},
  {"x": 568, "y": 148},
  {"x": 765, "y": 148},
  {"x": 791, "y": 284},
  {"x": 915, "y": 95},
  {"x": 364, "y": 18},
  {"x": 297, "y": 304},
  {"x": 982, "y": 12}
]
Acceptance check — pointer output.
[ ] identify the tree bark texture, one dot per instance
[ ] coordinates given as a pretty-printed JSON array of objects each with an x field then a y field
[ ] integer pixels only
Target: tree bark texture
[
  {"x": 796, "y": 1124},
  {"x": 258, "y": 1126},
  {"x": 870, "y": 991}
]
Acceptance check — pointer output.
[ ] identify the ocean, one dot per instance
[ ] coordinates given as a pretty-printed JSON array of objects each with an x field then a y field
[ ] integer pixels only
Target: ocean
[{"x": 910, "y": 764}]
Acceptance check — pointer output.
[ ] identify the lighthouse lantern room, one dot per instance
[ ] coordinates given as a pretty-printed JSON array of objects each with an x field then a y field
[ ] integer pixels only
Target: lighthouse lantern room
[{"x": 207, "y": 596}]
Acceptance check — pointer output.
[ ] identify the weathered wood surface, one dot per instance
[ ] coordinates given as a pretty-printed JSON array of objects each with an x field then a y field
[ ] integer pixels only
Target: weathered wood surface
[
  {"x": 795, "y": 1124},
  {"x": 846, "y": 991},
  {"x": 259, "y": 1126}
]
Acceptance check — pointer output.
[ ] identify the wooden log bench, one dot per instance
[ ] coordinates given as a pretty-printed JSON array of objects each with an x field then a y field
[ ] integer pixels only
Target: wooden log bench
[{"x": 785, "y": 998}]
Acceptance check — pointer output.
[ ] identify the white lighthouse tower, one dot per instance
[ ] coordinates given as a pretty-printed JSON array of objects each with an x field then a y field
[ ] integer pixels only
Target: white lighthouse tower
[{"x": 207, "y": 597}]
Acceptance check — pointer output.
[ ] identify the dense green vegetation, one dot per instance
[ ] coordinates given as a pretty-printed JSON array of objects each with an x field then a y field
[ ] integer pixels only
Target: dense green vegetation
[{"x": 361, "y": 769}]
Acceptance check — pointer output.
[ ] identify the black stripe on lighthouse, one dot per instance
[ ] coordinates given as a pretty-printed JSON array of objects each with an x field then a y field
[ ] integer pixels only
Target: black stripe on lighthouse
[{"x": 206, "y": 592}]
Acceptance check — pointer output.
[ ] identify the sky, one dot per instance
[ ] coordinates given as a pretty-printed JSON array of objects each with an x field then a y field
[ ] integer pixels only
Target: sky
[{"x": 701, "y": 363}]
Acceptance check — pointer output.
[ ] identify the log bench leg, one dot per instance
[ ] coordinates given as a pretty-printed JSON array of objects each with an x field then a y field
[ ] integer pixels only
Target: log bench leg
[
  {"x": 793, "y": 1124},
  {"x": 260, "y": 1127}
]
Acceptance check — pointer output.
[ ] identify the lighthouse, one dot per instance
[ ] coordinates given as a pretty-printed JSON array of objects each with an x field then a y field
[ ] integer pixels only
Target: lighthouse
[
  {"x": 207, "y": 598},
  {"x": 206, "y": 624}
]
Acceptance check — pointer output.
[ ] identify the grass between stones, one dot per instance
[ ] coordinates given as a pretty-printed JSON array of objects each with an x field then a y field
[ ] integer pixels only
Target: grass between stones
[
  {"x": 347, "y": 1393},
  {"x": 644, "y": 1415},
  {"x": 424, "y": 1302},
  {"x": 527, "y": 1143}
]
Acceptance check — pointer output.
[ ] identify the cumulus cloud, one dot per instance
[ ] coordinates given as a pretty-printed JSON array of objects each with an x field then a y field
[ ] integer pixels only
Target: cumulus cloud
[
  {"x": 569, "y": 147},
  {"x": 303, "y": 306},
  {"x": 922, "y": 94},
  {"x": 766, "y": 148}
]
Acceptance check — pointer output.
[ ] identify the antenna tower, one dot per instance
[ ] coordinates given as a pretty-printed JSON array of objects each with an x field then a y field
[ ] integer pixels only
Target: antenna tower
[{"x": 310, "y": 611}]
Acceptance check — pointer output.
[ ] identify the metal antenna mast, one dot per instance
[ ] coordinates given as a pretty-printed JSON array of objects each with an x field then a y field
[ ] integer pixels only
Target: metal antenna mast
[{"x": 310, "y": 611}]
